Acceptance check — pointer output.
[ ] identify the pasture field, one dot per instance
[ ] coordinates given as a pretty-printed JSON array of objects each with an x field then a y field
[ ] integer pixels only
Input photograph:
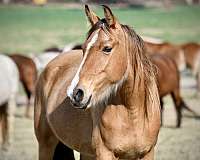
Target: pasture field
[{"x": 30, "y": 29}]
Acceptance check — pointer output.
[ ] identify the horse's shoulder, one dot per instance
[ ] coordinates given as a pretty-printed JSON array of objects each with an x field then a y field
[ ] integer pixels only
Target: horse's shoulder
[
  {"x": 61, "y": 66},
  {"x": 68, "y": 59}
]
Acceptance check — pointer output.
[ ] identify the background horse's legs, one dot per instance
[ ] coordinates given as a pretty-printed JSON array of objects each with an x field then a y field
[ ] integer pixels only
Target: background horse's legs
[
  {"x": 28, "y": 94},
  {"x": 4, "y": 125},
  {"x": 28, "y": 108},
  {"x": 11, "y": 116},
  {"x": 178, "y": 106},
  {"x": 198, "y": 80}
]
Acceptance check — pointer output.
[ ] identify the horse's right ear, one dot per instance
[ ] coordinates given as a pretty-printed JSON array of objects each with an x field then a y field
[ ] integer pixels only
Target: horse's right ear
[{"x": 92, "y": 17}]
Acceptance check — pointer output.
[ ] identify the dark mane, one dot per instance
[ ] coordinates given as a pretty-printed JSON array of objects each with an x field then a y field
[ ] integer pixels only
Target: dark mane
[{"x": 137, "y": 40}]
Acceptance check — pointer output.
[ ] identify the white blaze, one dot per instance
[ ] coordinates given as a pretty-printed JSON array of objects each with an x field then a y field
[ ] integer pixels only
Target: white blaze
[{"x": 75, "y": 80}]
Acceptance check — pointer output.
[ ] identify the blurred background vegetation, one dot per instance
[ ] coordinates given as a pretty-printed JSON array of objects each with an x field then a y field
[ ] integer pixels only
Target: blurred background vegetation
[{"x": 29, "y": 28}]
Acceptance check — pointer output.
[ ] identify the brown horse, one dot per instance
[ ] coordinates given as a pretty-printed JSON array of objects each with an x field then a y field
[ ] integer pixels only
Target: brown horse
[
  {"x": 169, "y": 83},
  {"x": 28, "y": 76},
  {"x": 173, "y": 51},
  {"x": 192, "y": 58},
  {"x": 112, "y": 86}
]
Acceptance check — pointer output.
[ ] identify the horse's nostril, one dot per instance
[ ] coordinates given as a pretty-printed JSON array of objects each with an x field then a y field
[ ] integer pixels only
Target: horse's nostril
[{"x": 78, "y": 95}]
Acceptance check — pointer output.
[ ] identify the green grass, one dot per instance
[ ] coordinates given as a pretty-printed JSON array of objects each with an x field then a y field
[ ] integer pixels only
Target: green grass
[{"x": 30, "y": 29}]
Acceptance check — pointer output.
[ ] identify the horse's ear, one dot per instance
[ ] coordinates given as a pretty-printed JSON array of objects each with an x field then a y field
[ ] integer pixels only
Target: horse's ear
[
  {"x": 110, "y": 18},
  {"x": 92, "y": 17}
]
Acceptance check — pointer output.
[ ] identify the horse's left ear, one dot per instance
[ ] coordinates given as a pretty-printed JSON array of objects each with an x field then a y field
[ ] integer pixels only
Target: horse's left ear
[
  {"x": 110, "y": 18},
  {"x": 92, "y": 17}
]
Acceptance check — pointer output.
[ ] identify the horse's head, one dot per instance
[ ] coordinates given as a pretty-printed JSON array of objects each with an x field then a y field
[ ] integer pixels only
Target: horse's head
[{"x": 104, "y": 64}]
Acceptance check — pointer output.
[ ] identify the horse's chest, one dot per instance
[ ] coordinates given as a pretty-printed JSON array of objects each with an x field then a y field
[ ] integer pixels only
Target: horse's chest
[{"x": 122, "y": 136}]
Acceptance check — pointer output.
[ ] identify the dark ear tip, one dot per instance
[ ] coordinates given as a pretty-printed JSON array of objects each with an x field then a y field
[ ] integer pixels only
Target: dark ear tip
[
  {"x": 105, "y": 7},
  {"x": 86, "y": 7}
]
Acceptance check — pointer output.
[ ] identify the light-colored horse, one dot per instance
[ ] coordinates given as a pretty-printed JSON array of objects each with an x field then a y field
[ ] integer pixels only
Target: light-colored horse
[
  {"x": 43, "y": 59},
  {"x": 49, "y": 54},
  {"x": 9, "y": 79},
  {"x": 116, "y": 110}
]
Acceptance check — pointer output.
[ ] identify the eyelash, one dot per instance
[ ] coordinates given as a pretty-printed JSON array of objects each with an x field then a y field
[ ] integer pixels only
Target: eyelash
[{"x": 107, "y": 49}]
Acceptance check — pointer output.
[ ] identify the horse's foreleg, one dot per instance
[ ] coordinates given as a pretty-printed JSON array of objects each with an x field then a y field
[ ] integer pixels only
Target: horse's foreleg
[
  {"x": 46, "y": 140},
  {"x": 46, "y": 151},
  {"x": 63, "y": 152}
]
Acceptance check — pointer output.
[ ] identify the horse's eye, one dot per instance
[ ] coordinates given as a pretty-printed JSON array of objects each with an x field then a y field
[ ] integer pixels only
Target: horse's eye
[{"x": 107, "y": 49}]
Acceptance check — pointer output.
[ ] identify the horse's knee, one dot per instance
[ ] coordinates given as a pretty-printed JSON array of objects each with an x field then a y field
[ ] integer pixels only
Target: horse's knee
[{"x": 46, "y": 150}]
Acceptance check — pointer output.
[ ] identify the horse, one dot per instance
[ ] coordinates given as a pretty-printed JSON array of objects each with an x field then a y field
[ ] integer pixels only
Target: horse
[
  {"x": 43, "y": 59},
  {"x": 9, "y": 78},
  {"x": 50, "y": 53},
  {"x": 28, "y": 76},
  {"x": 169, "y": 83},
  {"x": 171, "y": 50},
  {"x": 192, "y": 58},
  {"x": 102, "y": 100}
]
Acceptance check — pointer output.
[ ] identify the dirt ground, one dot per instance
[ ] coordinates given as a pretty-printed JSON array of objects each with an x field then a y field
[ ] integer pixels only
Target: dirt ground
[{"x": 173, "y": 144}]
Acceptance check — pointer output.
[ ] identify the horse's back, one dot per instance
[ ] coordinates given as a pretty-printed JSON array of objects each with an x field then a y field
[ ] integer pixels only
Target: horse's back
[
  {"x": 168, "y": 75},
  {"x": 27, "y": 70},
  {"x": 9, "y": 77},
  {"x": 192, "y": 55},
  {"x": 171, "y": 50}
]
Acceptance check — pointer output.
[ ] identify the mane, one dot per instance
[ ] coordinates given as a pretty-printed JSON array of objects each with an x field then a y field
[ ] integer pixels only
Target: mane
[{"x": 144, "y": 71}]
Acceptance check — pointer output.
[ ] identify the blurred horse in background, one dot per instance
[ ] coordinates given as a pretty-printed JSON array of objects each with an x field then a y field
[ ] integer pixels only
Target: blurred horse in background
[
  {"x": 50, "y": 53},
  {"x": 28, "y": 76},
  {"x": 9, "y": 81},
  {"x": 43, "y": 59},
  {"x": 192, "y": 58},
  {"x": 173, "y": 51},
  {"x": 169, "y": 83},
  {"x": 112, "y": 86}
]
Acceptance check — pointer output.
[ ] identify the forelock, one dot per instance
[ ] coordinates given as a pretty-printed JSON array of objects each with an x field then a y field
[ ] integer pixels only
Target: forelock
[{"x": 100, "y": 24}]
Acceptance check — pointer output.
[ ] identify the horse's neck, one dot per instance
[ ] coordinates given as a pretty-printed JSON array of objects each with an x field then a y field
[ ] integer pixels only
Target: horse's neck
[
  {"x": 132, "y": 95},
  {"x": 139, "y": 92}
]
